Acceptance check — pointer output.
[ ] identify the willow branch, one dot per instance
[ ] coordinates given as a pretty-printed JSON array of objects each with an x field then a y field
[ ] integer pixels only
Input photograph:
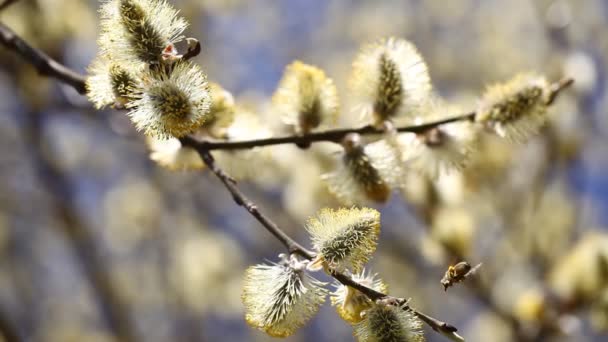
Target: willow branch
[
  {"x": 42, "y": 62},
  {"x": 441, "y": 327},
  {"x": 295, "y": 248},
  {"x": 334, "y": 135},
  {"x": 49, "y": 67},
  {"x": 240, "y": 199}
]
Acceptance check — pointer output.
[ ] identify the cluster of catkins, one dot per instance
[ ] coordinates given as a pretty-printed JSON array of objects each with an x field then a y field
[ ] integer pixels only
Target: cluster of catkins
[
  {"x": 144, "y": 66},
  {"x": 390, "y": 86},
  {"x": 140, "y": 67},
  {"x": 281, "y": 297}
]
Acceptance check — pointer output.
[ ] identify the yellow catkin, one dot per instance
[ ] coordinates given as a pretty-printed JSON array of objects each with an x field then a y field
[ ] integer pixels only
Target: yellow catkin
[
  {"x": 306, "y": 98},
  {"x": 279, "y": 299},
  {"x": 389, "y": 80},
  {"x": 345, "y": 238},
  {"x": 350, "y": 303},
  {"x": 516, "y": 109}
]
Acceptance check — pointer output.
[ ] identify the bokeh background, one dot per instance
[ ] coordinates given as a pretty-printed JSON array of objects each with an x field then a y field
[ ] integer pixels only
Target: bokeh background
[{"x": 95, "y": 238}]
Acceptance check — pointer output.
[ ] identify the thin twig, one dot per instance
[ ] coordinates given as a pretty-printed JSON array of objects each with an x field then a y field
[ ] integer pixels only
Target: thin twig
[
  {"x": 335, "y": 135},
  {"x": 441, "y": 327},
  {"x": 42, "y": 62},
  {"x": 295, "y": 248},
  {"x": 243, "y": 201},
  {"x": 557, "y": 87},
  {"x": 49, "y": 67}
]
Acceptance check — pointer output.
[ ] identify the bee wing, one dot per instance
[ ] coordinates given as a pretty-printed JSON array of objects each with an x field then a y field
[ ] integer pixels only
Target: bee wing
[{"x": 473, "y": 270}]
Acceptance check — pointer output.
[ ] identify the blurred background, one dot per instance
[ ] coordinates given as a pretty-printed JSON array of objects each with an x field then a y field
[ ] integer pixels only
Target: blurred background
[{"x": 97, "y": 243}]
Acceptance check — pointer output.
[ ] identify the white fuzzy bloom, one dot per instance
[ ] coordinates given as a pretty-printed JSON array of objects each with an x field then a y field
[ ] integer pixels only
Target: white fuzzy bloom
[
  {"x": 442, "y": 149},
  {"x": 172, "y": 104},
  {"x": 389, "y": 80},
  {"x": 139, "y": 30},
  {"x": 350, "y": 303},
  {"x": 367, "y": 173},
  {"x": 171, "y": 154},
  {"x": 389, "y": 323},
  {"x": 280, "y": 298},
  {"x": 306, "y": 98},
  {"x": 516, "y": 109},
  {"x": 344, "y": 238},
  {"x": 109, "y": 84}
]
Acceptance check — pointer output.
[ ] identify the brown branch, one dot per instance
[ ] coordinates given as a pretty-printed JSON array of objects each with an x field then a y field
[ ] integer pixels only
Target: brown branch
[
  {"x": 49, "y": 67},
  {"x": 42, "y": 62},
  {"x": 240, "y": 199},
  {"x": 335, "y": 135},
  {"x": 441, "y": 327},
  {"x": 295, "y": 248}
]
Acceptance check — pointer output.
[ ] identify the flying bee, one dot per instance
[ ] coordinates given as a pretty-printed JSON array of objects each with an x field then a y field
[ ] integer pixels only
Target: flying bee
[{"x": 458, "y": 273}]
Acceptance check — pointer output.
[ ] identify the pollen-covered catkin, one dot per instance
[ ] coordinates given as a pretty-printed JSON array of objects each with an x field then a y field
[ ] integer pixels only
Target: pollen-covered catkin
[
  {"x": 172, "y": 104},
  {"x": 517, "y": 109},
  {"x": 350, "y": 303},
  {"x": 442, "y": 149},
  {"x": 222, "y": 112},
  {"x": 389, "y": 80},
  {"x": 306, "y": 98},
  {"x": 580, "y": 275},
  {"x": 109, "y": 83},
  {"x": 280, "y": 298},
  {"x": 344, "y": 238},
  {"x": 389, "y": 323},
  {"x": 366, "y": 173},
  {"x": 137, "y": 31}
]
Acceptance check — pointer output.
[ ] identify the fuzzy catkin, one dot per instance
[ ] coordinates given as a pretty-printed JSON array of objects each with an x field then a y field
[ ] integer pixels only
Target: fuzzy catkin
[
  {"x": 350, "y": 303},
  {"x": 345, "y": 238},
  {"x": 306, "y": 98},
  {"x": 516, "y": 109},
  {"x": 389, "y": 80},
  {"x": 279, "y": 299},
  {"x": 366, "y": 173},
  {"x": 172, "y": 104},
  {"x": 138, "y": 31},
  {"x": 387, "y": 323}
]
